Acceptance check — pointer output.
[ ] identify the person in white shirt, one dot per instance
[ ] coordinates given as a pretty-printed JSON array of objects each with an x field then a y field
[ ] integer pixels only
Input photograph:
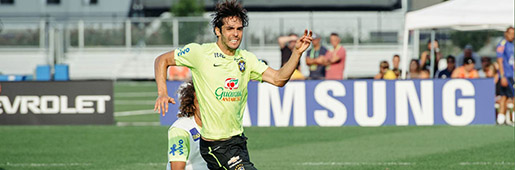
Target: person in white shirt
[{"x": 183, "y": 135}]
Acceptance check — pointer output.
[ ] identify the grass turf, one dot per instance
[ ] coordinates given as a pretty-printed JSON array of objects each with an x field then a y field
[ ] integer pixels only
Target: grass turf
[
  {"x": 324, "y": 148},
  {"x": 144, "y": 88},
  {"x": 144, "y": 147}
]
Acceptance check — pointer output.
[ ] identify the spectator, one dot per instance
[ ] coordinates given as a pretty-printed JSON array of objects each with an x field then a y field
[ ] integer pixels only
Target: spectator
[
  {"x": 335, "y": 59},
  {"x": 415, "y": 72},
  {"x": 315, "y": 59},
  {"x": 505, "y": 60},
  {"x": 395, "y": 62},
  {"x": 385, "y": 72},
  {"x": 466, "y": 71},
  {"x": 287, "y": 43},
  {"x": 297, "y": 75},
  {"x": 467, "y": 52},
  {"x": 490, "y": 72},
  {"x": 425, "y": 63},
  {"x": 414, "y": 69},
  {"x": 178, "y": 73},
  {"x": 485, "y": 62},
  {"x": 451, "y": 65},
  {"x": 424, "y": 74}
]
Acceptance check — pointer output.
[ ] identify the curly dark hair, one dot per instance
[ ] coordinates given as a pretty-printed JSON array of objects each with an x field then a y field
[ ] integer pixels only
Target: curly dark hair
[
  {"x": 187, "y": 97},
  {"x": 226, "y": 9}
]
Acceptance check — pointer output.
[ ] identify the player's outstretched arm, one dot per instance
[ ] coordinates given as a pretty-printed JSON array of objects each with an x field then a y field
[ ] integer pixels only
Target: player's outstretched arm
[
  {"x": 280, "y": 77},
  {"x": 160, "y": 66}
]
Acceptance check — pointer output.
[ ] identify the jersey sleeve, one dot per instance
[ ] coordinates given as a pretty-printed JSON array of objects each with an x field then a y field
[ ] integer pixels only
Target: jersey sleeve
[
  {"x": 256, "y": 67},
  {"x": 500, "y": 49},
  {"x": 188, "y": 55},
  {"x": 178, "y": 145}
]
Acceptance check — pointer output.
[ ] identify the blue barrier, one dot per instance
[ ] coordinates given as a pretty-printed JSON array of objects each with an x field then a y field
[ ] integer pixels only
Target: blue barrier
[
  {"x": 28, "y": 78},
  {"x": 12, "y": 77},
  {"x": 61, "y": 72},
  {"x": 4, "y": 77},
  {"x": 364, "y": 103},
  {"x": 43, "y": 73}
]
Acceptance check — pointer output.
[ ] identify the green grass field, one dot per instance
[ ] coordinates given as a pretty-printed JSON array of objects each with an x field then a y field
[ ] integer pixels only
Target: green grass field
[
  {"x": 144, "y": 147},
  {"x": 291, "y": 148}
]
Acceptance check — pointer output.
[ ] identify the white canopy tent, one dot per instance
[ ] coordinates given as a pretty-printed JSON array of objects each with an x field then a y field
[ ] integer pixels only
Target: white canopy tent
[{"x": 458, "y": 14}]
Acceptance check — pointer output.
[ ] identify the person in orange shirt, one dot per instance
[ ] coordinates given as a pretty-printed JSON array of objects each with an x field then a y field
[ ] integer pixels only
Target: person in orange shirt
[
  {"x": 466, "y": 71},
  {"x": 178, "y": 73}
]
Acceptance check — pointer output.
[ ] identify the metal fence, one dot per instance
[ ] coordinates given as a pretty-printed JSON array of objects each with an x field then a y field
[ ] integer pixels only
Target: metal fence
[
  {"x": 96, "y": 47},
  {"x": 141, "y": 32}
]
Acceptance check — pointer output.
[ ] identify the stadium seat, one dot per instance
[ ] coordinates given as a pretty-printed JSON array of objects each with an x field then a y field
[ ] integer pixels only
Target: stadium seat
[
  {"x": 43, "y": 73},
  {"x": 11, "y": 77},
  {"x": 61, "y": 72}
]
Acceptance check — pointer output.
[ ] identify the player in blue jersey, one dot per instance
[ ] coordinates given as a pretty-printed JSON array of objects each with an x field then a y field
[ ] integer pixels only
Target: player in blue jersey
[{"x": 505, "y": 85}]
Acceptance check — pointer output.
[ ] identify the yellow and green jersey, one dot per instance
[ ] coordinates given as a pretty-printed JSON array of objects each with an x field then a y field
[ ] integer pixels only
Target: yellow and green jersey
[{"x": 220, "y": 83}]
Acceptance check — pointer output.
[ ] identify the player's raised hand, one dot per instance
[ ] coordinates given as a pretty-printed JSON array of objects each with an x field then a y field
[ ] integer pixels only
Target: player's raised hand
[
  {"x": 162, "y": 104},
  {"x": 303, "y": 42}
]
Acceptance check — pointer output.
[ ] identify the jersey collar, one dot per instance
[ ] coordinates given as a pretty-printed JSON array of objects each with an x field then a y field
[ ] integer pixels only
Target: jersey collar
[{"x": 236, "y": 53}]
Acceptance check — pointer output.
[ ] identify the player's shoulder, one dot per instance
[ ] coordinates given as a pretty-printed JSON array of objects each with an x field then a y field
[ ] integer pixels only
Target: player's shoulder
[
  {"x": 207, "y": 45},
  {"x": 500, "y": 46},
  {"x": 195, "y": 47},
  {"x": 247, "y": 54},
  {"x": 182, "y": 123},
  {"x": 502, "y": 42},
  {"x": 205, "y": 48}
]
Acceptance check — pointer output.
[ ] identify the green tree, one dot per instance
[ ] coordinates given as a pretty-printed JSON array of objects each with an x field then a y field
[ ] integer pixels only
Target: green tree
[
  {"x": 475, "y": 38},
  {"x": 182, "y": 8}
]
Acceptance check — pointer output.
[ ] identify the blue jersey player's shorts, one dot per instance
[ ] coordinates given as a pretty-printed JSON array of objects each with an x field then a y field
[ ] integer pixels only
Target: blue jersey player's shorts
[{"x": 507, "y": 91}]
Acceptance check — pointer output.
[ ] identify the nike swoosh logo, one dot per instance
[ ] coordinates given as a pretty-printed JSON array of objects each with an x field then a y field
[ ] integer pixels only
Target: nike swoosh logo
[{"x": 216, "y": 65}]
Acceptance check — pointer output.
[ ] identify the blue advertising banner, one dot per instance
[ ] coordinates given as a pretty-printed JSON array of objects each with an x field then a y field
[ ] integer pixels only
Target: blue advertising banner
[{"x": 456, "y": 102}]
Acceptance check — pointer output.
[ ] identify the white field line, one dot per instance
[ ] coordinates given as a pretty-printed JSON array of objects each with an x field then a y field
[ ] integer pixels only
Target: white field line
[
  {"x": 135, "y": 94},
  {"x": 134, "y": 102},
  {"x": 399, "y": 163},
  {"x": 45, "y": 164},
  {"x": 487, "y": 163},
  {"x": 67, "y": 164},
  {"x": 135, "y": 112}
]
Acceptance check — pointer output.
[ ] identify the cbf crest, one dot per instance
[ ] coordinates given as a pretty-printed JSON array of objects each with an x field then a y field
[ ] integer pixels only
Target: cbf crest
[{"x": 241, "y": 65}]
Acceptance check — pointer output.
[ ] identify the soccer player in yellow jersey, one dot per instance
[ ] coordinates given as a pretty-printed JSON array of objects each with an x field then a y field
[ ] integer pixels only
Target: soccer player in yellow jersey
[
  {"x": 220, "y": 73},
  {"x": 183, "y": 135}
]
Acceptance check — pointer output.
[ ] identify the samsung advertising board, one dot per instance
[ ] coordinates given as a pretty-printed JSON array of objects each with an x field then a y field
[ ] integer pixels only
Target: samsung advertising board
[
  {"x": 56, "y": 103},
  {"x": 456, "y": 102}
]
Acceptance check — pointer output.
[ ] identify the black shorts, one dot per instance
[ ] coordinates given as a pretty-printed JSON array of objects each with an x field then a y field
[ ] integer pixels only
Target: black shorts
[
  {"x": 231, "y": 154},
  {"x": 506, "y": 91}
]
